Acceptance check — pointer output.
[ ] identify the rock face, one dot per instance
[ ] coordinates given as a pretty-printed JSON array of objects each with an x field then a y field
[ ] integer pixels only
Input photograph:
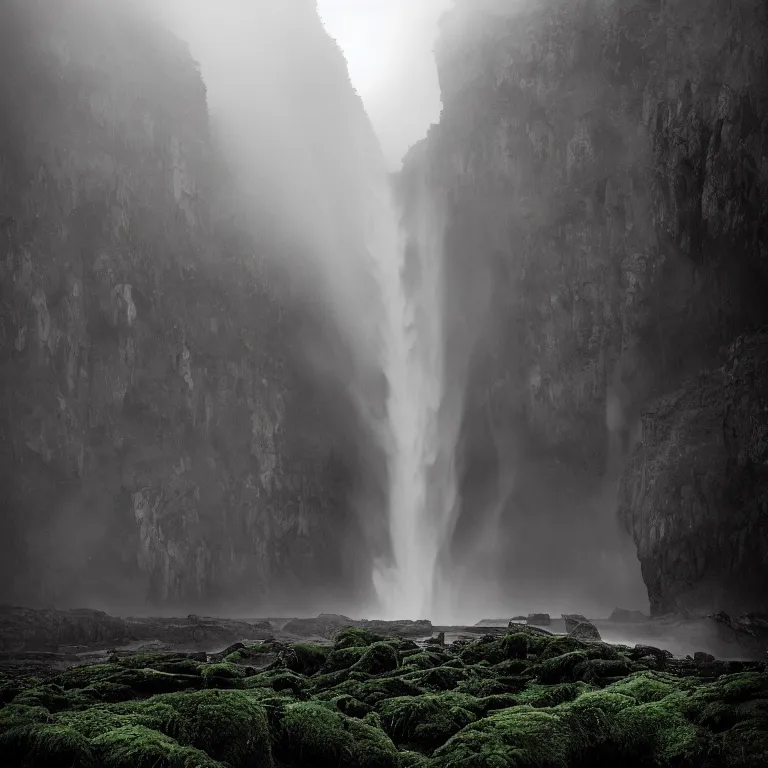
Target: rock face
[
  {"x": 695, "y": 494},
  {"x": 602, "y": 165},
  {"x": 158, "y": 441}
]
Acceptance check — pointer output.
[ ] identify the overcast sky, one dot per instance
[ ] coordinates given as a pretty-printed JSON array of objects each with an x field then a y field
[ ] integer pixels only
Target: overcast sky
[{"x": 388, "y": 46}]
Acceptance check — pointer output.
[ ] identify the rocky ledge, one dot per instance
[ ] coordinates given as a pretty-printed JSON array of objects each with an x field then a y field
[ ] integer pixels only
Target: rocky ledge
[{"x": 523, "y": 699}]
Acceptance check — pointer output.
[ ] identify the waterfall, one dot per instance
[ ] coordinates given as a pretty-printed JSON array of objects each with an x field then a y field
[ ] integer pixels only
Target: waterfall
[{"x": 420, "y": 462}]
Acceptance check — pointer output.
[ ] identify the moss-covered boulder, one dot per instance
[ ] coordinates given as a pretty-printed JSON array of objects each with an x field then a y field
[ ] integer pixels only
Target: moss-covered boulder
[
  {"x": 423, "y": 722},
  {"x": 313, "y": 735}
]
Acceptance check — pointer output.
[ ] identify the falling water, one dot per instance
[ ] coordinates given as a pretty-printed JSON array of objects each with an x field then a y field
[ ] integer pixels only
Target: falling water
[{"x": 420, "y": 464}]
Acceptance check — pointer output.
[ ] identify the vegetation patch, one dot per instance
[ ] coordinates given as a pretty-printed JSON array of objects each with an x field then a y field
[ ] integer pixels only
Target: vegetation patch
[{"x": 517, "y": 700}]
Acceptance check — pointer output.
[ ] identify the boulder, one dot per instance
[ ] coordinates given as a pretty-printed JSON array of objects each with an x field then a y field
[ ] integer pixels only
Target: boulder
[
  {"x": 572, "y": 619},
  {"x": 585, "y": 630},
  {"x": 539, "y": 619}
]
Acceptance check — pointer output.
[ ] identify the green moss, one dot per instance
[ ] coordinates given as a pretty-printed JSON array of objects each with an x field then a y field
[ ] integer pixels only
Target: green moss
[
  {"x": 425, "y": 722},
  {"x": 409, "y": 759},
  {"x": 551, "y": 695},
  {"x": 599, "y": 670},
  {"x": 660, "y": 728},
  {"x": 351, "y": 706},
  {"x": 557, "y": 645},
  {"x": 306, "y": 658},
  {"x": 353, "y": 637},
  {"x": 53, "y": 697},
  {"x": 422, "y": 660},
  {"x": 45, "y": 745},
  {"x": 521, "y": 737},
  {"x": 81, "y": 677},
  {"x": 644, "y": 687},
  {"x": 442, "y": 678},
  {"x": 134, "y": 746},
  {"x": 373, "y": 691},
  {"x": 343, "y": 658},
  {"x": 12, "y": 687},
  {"x": 228, "y": 725},
  {"x": 22, "y": 714},
  {"x": 222, "y": 675},
  {"x": 509, "y": 701},
  {"x": 559, "y": 669},
  {"x": 108, "y": 692},
  {"x": 312, "y": 735},
  {"x": 377, "y": 659},
  {"x": 745, "y": 745}
]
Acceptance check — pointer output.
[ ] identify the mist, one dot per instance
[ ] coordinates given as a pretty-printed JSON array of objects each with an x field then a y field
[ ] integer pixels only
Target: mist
[
  {"x": 388, "y": 45},
  {"x": 402, "y": 321}
]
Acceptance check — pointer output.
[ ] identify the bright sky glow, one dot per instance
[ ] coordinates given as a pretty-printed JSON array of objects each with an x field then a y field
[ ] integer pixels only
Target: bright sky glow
[{"x": 388, "y": 46}]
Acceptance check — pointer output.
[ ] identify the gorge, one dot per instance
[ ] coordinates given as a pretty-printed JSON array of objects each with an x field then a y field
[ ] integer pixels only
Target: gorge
[{"x": 246, "y": 371}]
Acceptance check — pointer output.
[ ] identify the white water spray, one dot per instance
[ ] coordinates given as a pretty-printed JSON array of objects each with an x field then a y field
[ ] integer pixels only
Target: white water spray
[{"x": 422, "y": 487}]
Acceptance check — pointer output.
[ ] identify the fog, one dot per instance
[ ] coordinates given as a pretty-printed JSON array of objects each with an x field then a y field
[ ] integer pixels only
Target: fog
[
  {"x": 388, "y": 47},
  {"x": 310, "y": 159},
  {"x": 452, "y": 507}
]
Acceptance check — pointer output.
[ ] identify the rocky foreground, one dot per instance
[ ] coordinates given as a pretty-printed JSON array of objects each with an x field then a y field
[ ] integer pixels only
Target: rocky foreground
[{"x": 518, "y": 697}]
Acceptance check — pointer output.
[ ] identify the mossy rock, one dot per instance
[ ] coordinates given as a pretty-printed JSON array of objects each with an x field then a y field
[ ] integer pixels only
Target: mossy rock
[
  {"x": 306, "y": 658},
  {"x": 520, "y": 737},
  {"x": 644, "y": 687},
  {"x": 409, "y": 759},
  {"x": 423, "y": 660},
  {"x": 354, "y": 637},
  {"x": 223, "y": 675},
  {"x": 134, "y": 746},
  {"x": 342, "y": 658},
  {"x": 54, "y": 698},
  {"x": 599, "y": 670},
  {"x": 442, "y": 678},
  {"x": 14, "y": 714},
  {"x": 378, "y": 659},
  {"x": 12, "y": 687},
  {"x": 425, "y": 722},
  {"x": 45, "y": 745},
  {"x": 108, "y": 692},
  {"x": 280, "y": 681},
  {"x": 560, "y": 669},
  {"x": 551, "y": 695},
  {"x": 312, "y": 735},
  {"x": 373, "y": 691},
  {"x": 349, "y": 705}
]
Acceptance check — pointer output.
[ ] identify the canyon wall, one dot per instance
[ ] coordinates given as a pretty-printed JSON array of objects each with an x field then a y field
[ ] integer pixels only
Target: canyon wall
[
  {"x": 162, "y": 440},
  {"x": 603, "y": 163}
]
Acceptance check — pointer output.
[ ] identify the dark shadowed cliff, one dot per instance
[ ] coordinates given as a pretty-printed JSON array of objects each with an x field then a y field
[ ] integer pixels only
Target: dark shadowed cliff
[
  {"x": 603, "y": 166},
  {"x": 161, "y": 435}
]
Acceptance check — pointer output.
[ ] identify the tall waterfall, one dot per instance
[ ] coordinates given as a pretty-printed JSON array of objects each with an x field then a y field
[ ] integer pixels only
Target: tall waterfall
[{"x": 422, "y": 484}]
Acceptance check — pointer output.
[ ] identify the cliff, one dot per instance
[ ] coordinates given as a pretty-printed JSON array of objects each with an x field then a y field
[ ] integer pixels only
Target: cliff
[
  {"x": 695, "y": 493},
  {"x": 160, "y": 440},
  {"x": 603, "y": 168}
]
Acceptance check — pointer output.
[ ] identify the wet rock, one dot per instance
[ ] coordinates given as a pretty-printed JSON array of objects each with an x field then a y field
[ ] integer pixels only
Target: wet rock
[
  {"x": 572, "y": 619},
  {"x": 701, "y": 656},
  {"x": 438, "y": 640},
  {"x": 528, "y": 629},
  {"x": 641, "y": 651},
  {"x": 585, "y": 630},
  {"x": 539, "y": 619}
]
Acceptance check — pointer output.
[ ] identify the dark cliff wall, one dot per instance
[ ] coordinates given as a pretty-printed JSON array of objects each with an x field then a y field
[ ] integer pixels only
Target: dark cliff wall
[
  {"x": 695, "y": 493},
  {"x": 160, "y": 440},
  {"x": 603, "y": 164}
]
